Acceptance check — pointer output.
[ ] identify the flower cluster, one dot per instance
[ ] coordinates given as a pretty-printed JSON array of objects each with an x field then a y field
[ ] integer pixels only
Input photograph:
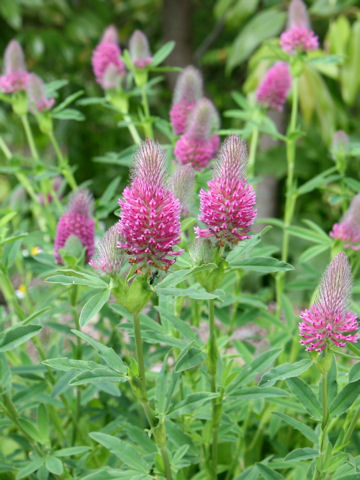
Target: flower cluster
[
  {"x": 275, "y": 87},
  {"x": 150, "y": 215},
  {"x": 328, "y": 321},
  {"x": 228, "y": 208},
  {"x": 197, "y": 146},
  {"x": 76, "y": 222},
  {"x": 298, "y": 36},
  {"x": 348, "y": 229},
  {"x": 139, "y": 50}
]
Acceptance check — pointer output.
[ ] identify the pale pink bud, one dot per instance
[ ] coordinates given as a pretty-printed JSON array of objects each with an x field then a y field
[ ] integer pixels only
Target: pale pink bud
[
  {"x": 188, "y": 90},
  {"x": 15, "y": 75},
  {"x": 228, "y": 208},
  {"x": 329, "y": 320},
  {"x": 139, "y": 50},
  {"x": 110, "y": 35},
  {"x": 298, "y": 15},
  {"x": 182, "y": 185},
  {"x": 35, "y": 90},
  {"x": 348, "y": 230},
  {"x": 340, "y": 143},
  {"x": 108, "y": 257}
]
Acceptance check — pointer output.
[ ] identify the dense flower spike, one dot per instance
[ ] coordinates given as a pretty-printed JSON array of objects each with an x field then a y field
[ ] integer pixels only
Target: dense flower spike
[
  {"x": 150, "y": 215},
  {"x": 348, "y": 230},
  {"x": 108, "y": 257},
  {"x": 36, "y": 93},
  {"x": 228, "y": 208},
  {"x": 139, "y": 50},
  {"x": 107, "y": 65},
  {"x": 188, "y": 90},
  {"x": 275, "y": 87},
  {"x": 298, "y": 36},
  {"x": 15, "y": 76},
  {"x": 198, "y": 146},
  {"x": 182, "y": 186},
  {"x": 77, "y": 222},
  {"x": 328, "y": 320}
]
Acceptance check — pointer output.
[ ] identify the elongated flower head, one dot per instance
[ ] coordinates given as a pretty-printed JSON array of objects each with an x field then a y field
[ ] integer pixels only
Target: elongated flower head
[
  {"x": 150, "y": 215},
  {"x": 188, "y": 90},
  {"x": 35, "y": 90},
  {"x": 182, "y": 186},
  {"x": 329, "y": 320},
  {"x": 275, "y": 87},
  {"x": 298, "y": 15},
  {"x": 14, "y": 76},
  {"x": 339, "y": 144},
  {"x": 228, "y": 208},
  {"x": 348, "y": 229},
  {"x": 198, "y": 145},
  {"x": 76, "y": 221},
  {"x": 105, "y": 54},
  {"x": 108, "y": 257},
  {"x": 139, "y": 50}
]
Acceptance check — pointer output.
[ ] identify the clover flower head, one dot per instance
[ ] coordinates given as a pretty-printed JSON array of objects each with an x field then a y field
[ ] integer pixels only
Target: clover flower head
[
  {"x": 348, "y": 229},
  {"x": 275, "y": 87},
  {"x": 15, "y": 75},
  {"x": 329, "y": 321},
  {"x": 139, "y": 50},
  {"x": 36, "y": 93}
]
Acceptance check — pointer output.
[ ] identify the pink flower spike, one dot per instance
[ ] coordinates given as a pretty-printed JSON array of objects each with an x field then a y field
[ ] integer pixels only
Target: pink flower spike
[
  {"x": 150, "y": 215},
  {"x": 76, "y": 221},
  {"x": 298, "y": 15},
  {"x": 299, "y": 39},
  {"x": 139, "y": 50},
  {"x": 108, "y": 257},
  {"x": 35, "y": 90},
  {"x": 328, "y": 321},
  {"x": 183, "y": 187},
  {"x": 105, "y": 54},
  {"x": 15, "y": 76},
  {"x": 348, "y": 230},
  {"x": 228, "y": 208},
  {"x": 188, "y": 90},
  {"x": 275, "y": 87},
  {"x": 197, "y": 145}
]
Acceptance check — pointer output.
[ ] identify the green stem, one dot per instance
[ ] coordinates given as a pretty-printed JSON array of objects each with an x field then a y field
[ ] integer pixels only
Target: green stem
[
  {"x": 144, "y": 400},
  {"x": 324, "y": 426},
  {"x": 147, "y": 126},
  {"x": 30, "y": 137},
  {"x": 132, "y": 129},
  {"x": 252, "y": 152},
  {"x": 63, "y": 162},
  {"x": 290, "y": 194},
  {"x": 216, "y": 406}
]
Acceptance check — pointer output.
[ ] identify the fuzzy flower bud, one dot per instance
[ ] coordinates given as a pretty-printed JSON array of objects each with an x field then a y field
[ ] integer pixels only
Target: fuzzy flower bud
[
  {"x": 298, "y": 15},
  {"x": 108, "y": 257},
  {"x": 329, "y": 319},
  {"x": 348, "y": 230},
  {"x": 107, "y": 54},
  {"x": 139, "y": 50},
  {"x": 150, "y": 215},
  {"x": 198, "y": 146},
  {"x": 182, "y": 186},
  {"x": 15, "y": 76},
  {"x": 188, "y": 90},
  {"x": 76, "y": 221},
  {"x": 340, "y": 143},
  {"x": 35, "y": 90},
  {"x": 275, "y": 87},
  {"x": 298, "y": 36},
  {"x": 228, "y": 208}
]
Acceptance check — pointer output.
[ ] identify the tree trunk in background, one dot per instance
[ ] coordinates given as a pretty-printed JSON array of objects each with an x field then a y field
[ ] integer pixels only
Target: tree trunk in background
[{"x": 177, "y": 15}]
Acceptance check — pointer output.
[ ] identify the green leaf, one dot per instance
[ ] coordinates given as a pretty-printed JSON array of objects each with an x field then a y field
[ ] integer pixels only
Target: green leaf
[
  {"x": 31, "y": 467},
  {"x": 71, "y": 98},
  {"x": 312, "y": 252},
  {"x": 288, "y": 311},
  {"x": 300, "y": 426},
  {"x": 306, "y": 396},
  {"x": 260, "y": 392},
  {"x": 309, "y": 235},
  {"x": 190, "y": 357},
  {"x": 354, "y": 374},
  {"x": 161, "y": 54},
  {"x": 93, "y": 306},
  {"x": 69, "y": 114},
  {"x": 65, "y": 364},
  {"x": 15, "y": 336},
  {"x": 43, "y": 423},
  {"x": 122, "y": 450},
  {"x": 301, "y": 454},
  {"x": 262, "y": 26},
  {"x": 191, "y": 403},
  {"x": 196, "y": 292},
  {"x": 345, "y": 398},
  {"x": 320, "y": 180},
  {"x": 268, "y": 473},
  {"x": 72, "y": 277},
  {"x": 54, "y": 465},
  {"x": 30, "y": 428},
  {"x": 67, "y": 452},
  {"x": 263, "y": 265},
  {"x": 98, "y": 375},
  {"x": 286, "y": 370}
]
